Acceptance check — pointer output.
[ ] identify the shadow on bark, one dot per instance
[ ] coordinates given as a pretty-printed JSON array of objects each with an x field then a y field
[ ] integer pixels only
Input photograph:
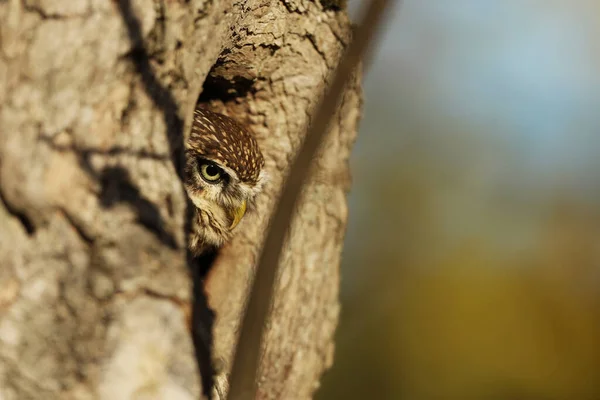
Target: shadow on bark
[
  {"x": 202, "y": 315},
  {"x": 116, "y": 187}
]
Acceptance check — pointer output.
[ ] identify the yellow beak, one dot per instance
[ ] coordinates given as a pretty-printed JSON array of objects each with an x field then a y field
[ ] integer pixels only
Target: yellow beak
[{"x": 238, "y": 214}]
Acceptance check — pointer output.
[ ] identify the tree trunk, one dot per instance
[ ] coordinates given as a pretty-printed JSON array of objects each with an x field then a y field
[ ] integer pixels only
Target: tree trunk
[{"x": 94, "y": 95}]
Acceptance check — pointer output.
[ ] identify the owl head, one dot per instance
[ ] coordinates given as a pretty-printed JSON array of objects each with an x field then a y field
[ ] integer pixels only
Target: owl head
[{"x": 223, "y": 175}]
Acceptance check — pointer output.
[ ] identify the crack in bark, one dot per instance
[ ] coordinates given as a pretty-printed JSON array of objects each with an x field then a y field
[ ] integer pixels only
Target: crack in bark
[
  {"x": 87, "y": 237},
  {"x": 292, "y": 8},
  {"x": 20, "y": 216},
  {"x": 37, "y": 9},
  {"x": 311, "y": 38}
]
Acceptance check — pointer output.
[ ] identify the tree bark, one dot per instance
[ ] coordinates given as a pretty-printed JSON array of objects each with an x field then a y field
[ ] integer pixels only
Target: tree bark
[{"x": 95, "y": 96}]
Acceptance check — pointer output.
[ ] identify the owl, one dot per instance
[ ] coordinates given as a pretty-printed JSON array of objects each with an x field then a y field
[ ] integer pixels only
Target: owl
[{"x": 224, "y": 172}]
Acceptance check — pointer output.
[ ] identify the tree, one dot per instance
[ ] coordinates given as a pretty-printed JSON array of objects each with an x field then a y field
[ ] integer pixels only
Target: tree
[{"x": 95, "y": 95}]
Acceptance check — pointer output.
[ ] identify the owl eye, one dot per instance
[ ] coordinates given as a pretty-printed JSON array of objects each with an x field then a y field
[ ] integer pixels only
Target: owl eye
[{"x": 210, "y": 172}]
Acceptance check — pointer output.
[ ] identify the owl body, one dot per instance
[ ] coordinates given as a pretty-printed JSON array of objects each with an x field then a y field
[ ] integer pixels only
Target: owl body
[{"x": 223, "y": 175}]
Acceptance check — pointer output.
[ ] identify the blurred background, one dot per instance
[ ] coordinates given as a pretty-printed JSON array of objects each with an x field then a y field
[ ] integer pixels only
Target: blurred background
[{"x": 472, "y": 261}]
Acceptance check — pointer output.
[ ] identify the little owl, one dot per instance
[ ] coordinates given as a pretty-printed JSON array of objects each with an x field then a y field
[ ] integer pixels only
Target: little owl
[{"x": 223, "y": 175}]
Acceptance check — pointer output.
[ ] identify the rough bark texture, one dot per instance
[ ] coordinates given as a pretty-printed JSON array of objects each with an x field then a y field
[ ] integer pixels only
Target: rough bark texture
[{"x": 94, "y": 289}]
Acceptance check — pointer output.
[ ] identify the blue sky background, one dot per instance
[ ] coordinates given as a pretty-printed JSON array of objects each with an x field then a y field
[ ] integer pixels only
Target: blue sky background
[{"x": 525, "y": 71}]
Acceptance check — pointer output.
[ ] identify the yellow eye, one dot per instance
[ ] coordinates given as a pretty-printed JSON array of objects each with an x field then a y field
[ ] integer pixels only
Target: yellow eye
[{"x": 210, "y": 172}]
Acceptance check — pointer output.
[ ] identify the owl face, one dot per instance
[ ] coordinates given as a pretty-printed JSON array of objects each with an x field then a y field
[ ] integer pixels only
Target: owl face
[{"x": 223, "y": 175}]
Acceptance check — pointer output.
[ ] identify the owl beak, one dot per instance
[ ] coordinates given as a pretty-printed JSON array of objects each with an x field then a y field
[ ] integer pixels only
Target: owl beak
[{"x": 238, "y": 214}]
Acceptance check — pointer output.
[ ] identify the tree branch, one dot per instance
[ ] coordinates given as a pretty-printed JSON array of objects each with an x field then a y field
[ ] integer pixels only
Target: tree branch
[{"x": 243, "y": 382}]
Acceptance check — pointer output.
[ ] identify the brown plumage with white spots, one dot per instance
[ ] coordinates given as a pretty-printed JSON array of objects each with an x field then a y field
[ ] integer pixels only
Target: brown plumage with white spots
[{"x": 223, "y": 174}]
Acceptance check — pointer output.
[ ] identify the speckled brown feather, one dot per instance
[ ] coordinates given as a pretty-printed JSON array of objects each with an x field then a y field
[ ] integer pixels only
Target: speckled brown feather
[{"x": 223, "y": 140}]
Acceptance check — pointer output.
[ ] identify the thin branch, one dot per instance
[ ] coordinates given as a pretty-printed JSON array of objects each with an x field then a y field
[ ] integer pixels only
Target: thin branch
[{"x": 243, "y": 382}]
